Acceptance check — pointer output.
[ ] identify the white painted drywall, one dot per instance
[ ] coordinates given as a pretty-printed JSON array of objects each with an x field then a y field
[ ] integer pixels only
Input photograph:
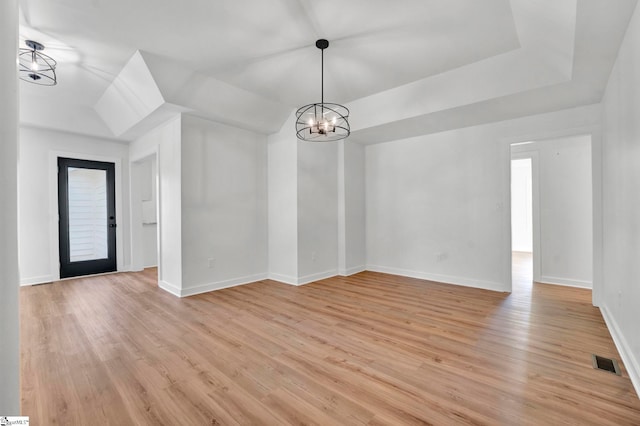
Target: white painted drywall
[
  {"x": 521, "y": 205},
  {"x": 150, "y": 241},
  {"x": 65, "y": 115},
  {"x": 316, "y": 208},
  {"x": 132, "y": 96},
  {"x": 224, "y": 205},
  {"x": 317, "y": 211},
  {"x": 351, "y": 173},
  {"x": 282, "y": 181},
  {"x": 621, "y": 186},
  {"x": 9, "y": 322},
  {"x": 38, "y": 199},
  {"x": 438, "y": 205},
  {"x": 165, "y": 142},
  {"x": 566, "y": 238}
]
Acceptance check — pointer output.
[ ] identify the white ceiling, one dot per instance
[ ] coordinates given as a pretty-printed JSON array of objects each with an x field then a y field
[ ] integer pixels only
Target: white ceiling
[{"x": 404, "y": 68}]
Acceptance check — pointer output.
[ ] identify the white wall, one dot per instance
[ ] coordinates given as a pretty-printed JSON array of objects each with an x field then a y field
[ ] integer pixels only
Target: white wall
[
  {"x": 150, "y": 241},
  {"x": 434, "y": 207},
  {"x": 282, "y": 154},
  {"x": 9, "y": 322},
  {"x": 566, "y": 238},
  {"x": 224, "y": 205},
  {"x": 352, "y": 250},
  {"x": 621, "y": 186},
  {"x": 438, "y": 205},
  {"x": 521, "y": 205},
  {"x": 38, "y": 197},
  {"x": 317, "y": 211},
  {"x": 164, "y": 142}
]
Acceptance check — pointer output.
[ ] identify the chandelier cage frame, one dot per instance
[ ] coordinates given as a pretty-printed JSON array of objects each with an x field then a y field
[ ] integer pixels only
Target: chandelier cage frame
[
  {"x": 36, "y": 67},
  {"x": 322, "y": 122}
]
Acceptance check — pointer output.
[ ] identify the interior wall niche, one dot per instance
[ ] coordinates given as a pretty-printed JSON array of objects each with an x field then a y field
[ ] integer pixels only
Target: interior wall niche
[{"x": 144, "y": 206}]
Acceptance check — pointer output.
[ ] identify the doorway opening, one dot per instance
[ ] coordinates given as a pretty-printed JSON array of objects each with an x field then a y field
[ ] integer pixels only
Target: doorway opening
[
  {"x": 552, "y": 226},
  {"x": 522, "y": 221}
]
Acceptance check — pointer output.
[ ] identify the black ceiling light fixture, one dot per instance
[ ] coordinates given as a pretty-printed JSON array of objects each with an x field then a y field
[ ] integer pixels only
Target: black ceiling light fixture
[
  {"x": 322, "y": 122},
  {"x": 35, "y": 66}
]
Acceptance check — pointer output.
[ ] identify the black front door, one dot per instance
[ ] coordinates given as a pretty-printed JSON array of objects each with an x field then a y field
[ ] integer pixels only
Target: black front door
[{"x": 87, "y": 222}]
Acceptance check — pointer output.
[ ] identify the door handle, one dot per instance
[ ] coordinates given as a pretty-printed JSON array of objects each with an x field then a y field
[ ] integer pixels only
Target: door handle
[{"x": 113, "y": 225}]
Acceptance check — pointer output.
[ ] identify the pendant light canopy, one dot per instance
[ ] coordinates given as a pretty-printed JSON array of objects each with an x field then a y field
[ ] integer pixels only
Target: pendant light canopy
[
  {"x": 322, "y": 122},
  {"x": 35, "y": 66}
]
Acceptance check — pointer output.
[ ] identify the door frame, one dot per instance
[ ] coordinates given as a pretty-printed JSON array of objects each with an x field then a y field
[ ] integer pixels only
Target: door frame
[
  {"x": 595, "y": 132},
  {"x": 54, "y": 238},
  {"x": 70, "y": 269}
]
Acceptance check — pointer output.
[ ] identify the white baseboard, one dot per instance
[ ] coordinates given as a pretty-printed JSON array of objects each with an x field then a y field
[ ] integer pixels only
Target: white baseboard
[
  {"x": 169, "y": 288},
  {"x": 545, "y": 279},
  {"x": 446, "y": 279},
  {"x": 150, "y": 266},
  {"x": 307, "y": 279},
  {"x": 285, "y": 279},
  {"x": 37, "y": 280},
  {"x": 219, "y": 285},
  {"x": 631, "y": 363},
  {"x": 302, "y": 280},
  {"x": 353, "y": 270}
]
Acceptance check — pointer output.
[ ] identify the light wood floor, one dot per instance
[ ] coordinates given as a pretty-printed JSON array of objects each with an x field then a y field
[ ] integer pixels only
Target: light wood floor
[
  {"x": 370, "y": 349},
  {"x": 522, "y": 271}
]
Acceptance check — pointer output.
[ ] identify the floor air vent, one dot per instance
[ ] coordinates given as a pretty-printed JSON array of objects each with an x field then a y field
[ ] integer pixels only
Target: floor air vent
[{"x": 605, "y": 364}]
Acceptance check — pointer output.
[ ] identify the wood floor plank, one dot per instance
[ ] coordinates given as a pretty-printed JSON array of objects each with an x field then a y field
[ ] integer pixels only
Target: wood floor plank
[{"x": 370, "y": 349}]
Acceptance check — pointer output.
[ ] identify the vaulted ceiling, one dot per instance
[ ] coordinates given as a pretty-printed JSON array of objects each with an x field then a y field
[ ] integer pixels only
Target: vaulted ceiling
[{"x": 404, "y": 68}]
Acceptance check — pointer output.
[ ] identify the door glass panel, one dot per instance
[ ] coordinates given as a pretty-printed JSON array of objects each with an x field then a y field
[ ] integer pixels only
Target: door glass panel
[{"x": 87, "y": 214}]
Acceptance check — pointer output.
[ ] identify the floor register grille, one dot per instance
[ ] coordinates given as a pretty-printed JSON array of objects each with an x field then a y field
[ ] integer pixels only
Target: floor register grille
[{"x": 606, "y": 364}]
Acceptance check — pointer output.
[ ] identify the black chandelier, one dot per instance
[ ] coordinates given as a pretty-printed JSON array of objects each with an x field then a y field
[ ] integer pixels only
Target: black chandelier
[
  {"x": 322, "y": 122},
  {"x": 35, "y": 66}
]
